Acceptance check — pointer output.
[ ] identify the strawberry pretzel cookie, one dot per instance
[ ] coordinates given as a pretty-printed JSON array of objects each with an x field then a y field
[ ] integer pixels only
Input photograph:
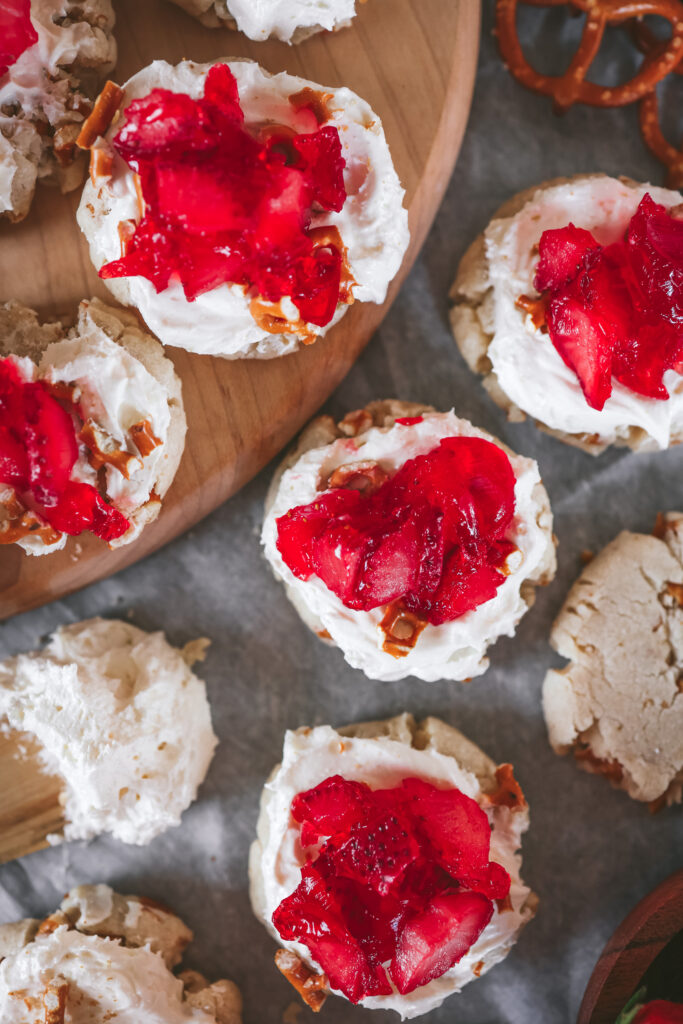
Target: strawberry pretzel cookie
[
  {"x": 292, "y": 21},
  {"x": 53, "y": 55},
  {"x": 408, "y": 538},
  {"x": 571, "y": 306},
  {"x": 106, "y": 958},
  {"x": 241, "y": 212},
  {"x": 92, "y": 427},
  {"x": 386, "y": 863}
]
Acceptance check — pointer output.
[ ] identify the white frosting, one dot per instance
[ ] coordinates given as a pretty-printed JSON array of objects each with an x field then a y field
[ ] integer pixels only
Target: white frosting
[
  {"x": 108, "y": 983},
  {"x": 121, "y": 718},
  {"x": 453, "y": 650},
  {"x": 529, "y": 369},
  {"x": 373, "y": 223},
  {"x": 260, "y": 19},
  {"x": 309, "y": 757}
]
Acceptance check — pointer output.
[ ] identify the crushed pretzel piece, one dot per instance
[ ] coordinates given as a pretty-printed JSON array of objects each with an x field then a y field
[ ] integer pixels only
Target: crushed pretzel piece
[
  {"x": 314, "y": 100},
  {"x": 509, "y": 792},
  {"x": 611, "y": 770},
  {"x": 328, "y": 236},
  {"x": 144, "y": 437},
  {"x": 311, "y": 987},
  {"x": 51, "y": 923},
  {"x": 269, "y": 317},
  {"x": 355, "y": 423},
  {"x": 126, "y": 229},
  {"x": 365, "y": 476},
  {"x": 64, "y": 144},
  {"x": 54, "y": 1000},
  {"x": 101, "y": 164},
  {"x": 101, "y": 116},
  {"x": 105, "y": 451},
  {"x": 535, "y": 308},
  {"x": 401, "y": 630},
  {"x": 676, "y": 591}
]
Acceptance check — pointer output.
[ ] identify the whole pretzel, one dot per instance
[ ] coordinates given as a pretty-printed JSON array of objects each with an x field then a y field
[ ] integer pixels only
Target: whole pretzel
[
  {"x": 650, "y": 125},
  {"x": 572, "y": 87}
]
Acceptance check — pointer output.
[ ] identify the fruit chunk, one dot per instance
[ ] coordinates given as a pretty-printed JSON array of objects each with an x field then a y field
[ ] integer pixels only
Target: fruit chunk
[
  {"x": 402, "y": 876},
  {"x": 16, "y": 31},
  {"x": 616, "y": 311},
  {"x": 659, "y": 1011},
  {"x": 38, "y": 451},
  {"x": 223, "y": 206},
  {"x": 433, "y": 536},
  {"x": 432, "y": 942}
]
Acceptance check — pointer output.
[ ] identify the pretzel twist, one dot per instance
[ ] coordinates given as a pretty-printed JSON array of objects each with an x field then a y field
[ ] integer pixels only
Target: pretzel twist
[
  {"x": 572, "y": 87},
  {"x": 650, "y": 124}
]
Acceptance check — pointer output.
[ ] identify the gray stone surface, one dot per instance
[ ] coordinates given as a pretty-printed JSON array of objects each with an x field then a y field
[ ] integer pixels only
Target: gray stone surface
[{"x": 591, "y": 853}]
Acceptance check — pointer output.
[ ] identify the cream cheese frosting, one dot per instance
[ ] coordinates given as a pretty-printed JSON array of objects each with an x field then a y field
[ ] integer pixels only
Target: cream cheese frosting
[
  {"x": 288, "y": 20},
  {"x": 373, "y": 222},
  {"x": 121, "y": 717},
  {"x": 452, "y": 650},
  {"x": 312, "y": 755},
  {"x": 40, "y": 85},
  {"x": 524, "y": 360},
  {"x": 107, "y": 982}
]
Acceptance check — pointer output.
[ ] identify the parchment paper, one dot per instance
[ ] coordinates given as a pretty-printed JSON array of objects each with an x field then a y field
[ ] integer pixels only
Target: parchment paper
[{"x": 591, "y": 852}]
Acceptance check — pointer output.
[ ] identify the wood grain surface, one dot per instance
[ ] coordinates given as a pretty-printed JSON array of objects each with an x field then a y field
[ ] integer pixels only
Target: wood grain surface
[
  {"x": 638, "y": 940},
  {"x": 29, "y": 799},
  {"x": 415, "y": 64}
]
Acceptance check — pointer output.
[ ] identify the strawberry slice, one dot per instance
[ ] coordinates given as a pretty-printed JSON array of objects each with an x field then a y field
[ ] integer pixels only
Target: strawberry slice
[
  {"x": 299, "y": 527},
  {"x": 659, "y": 1011},
  {"x": 16, "y": 31},
  {"x": 435, "y": 940},
  {"x": 377, "y": 854},
  {"x": 562, "y": 254},
  {"x": 81, "y": 508},
  {"x": 578, "y": 336},
  {"x": 334, "y": 805},
  {"x": 455, "y": 826},
  {"x": 50, "y": 441},
  {"x": 13, "y": 462}
]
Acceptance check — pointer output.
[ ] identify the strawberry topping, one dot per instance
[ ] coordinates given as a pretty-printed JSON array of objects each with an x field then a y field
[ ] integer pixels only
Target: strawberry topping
[
  {"x": 400, "y": 886},
  {"x": 38, "y": 451},
  {"x": 225, "y": 205},
  {"x": 16, "y": 31},
  {"x": 432, "y": 536},
  {"x": 616, "y": 311},
  {"x": 659, "y": 1011}
]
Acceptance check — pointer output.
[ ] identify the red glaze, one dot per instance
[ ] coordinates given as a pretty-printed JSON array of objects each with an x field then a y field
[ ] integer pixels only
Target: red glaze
[
  {"x": 659, "y": 1012},
  {"x": 432, "y": 536},
  {"x": 401, "y": 876},
  {"x": 222, "y": 205},
  {"x": 16, "y": 31},
  {"x": 38, "y": 450},
  {"x": 616, "y": 311}
]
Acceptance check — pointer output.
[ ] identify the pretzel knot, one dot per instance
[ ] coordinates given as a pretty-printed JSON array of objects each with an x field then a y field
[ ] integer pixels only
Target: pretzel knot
[
  {"x": 572, "y": 87},
  {"x": 650, "y": 125}
]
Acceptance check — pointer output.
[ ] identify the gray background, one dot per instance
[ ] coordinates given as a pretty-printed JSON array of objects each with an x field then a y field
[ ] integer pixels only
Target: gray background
[{"x": 591, "y": 852}]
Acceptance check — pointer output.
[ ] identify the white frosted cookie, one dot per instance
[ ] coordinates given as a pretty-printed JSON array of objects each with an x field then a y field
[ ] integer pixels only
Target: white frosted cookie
[
  {"x": 121, "y": 718},
  {"x": 521, "y": 368},
  {"x": 454, "y": 648},
  {"x": 105, "y": 958},
  {"x": 618, "y": 704},
  {"x": 381, "y": 755},
  {"x": 292, "y": 21},
  {"x": 369, "y": 232},
  {"x": 125, "y": 422},
  {"x": 46, "y": 92}
]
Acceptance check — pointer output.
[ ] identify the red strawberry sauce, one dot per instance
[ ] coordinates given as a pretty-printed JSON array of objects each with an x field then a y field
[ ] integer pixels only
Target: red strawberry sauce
[
  {"x": 660, "y": 1011},
  {"x": 38, "y": 451},
  {"x": 224, "y": 203},
  {"x": 16, "y": 32},
  {"x": 398, "y": 883},
  {"x": 433, "y": 536},
  {"x": 616, "y": 311}
]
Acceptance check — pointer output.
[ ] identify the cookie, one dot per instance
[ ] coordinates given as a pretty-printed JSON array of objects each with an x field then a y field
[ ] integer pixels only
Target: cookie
[
  {"x": 618, "y": 704},
  {"x": 494, "y": 326},
  {"x": 292, "y": 21}
]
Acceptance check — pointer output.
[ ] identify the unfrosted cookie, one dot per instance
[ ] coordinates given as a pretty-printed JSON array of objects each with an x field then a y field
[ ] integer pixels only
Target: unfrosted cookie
[
  {"x": 431, "y": 597},
  {"x": 247, "y": 212},
  {"x": 121, "y": 718},
  {"x": 292, "y": 21},
  {"x": 502, "y": 330},
  {"x": 60, "y": 50},
  {"x": 101, "y": 405},
  {"x": 618, "y": 704},
  {"x": 103, "y": 958},
  {"x": 378, "y": 858}
]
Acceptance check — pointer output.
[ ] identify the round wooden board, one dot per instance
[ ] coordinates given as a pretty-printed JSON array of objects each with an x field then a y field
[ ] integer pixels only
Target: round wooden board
[
  {"x": 415, "y": 63},
  {"x": 638, "y": 940}
]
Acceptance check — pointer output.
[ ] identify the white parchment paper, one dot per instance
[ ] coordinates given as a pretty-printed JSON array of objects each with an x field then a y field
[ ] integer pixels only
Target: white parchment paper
[{"x": 591, "y": 852}]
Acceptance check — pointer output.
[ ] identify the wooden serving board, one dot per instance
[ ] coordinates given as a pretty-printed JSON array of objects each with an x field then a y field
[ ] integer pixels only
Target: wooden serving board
[
  {"x": 638, "y": 940},
  {"x": 414, "y": 62}
]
